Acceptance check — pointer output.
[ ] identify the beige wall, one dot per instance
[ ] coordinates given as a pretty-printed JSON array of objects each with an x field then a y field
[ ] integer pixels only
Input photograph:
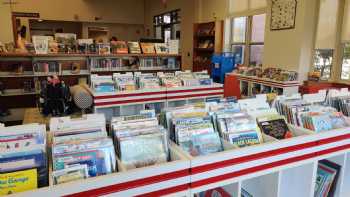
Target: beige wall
[
  {"x": 6, "y": 34},
  {"x": 111, "y": 11},
  {"x": 154, "y": 7},
  {"x": 128, "y": 32},
  {"x": 211, "y": 10},
  {"x": 292, "y": 49}
]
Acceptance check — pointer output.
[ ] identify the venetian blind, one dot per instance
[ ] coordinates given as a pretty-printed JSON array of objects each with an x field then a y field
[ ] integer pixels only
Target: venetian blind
[
  {"x": 346, "y": 22},
  {"x": 237, "y": 6},
  {"x": 327, "y": 24}
]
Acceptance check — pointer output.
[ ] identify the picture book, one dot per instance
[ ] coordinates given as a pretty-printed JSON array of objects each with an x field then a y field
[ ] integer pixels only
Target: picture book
[
  {"x": 134, "y": 47},
  {"x": 119, "y": 47},
  {"x": 147, "y": 48},
  {"x": 18, "y": 181}
]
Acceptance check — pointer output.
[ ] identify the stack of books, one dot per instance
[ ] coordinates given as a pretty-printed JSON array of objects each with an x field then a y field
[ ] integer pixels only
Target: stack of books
[
  {"x": 169, "y": 80},
  {"x": 140, "y": 141},
  {"x": 102, "y": 83},
  {"x": 23, "y": 158},
  {"x": 341, "y": 103},
  {"x": 238, "y": 128},
  {"x": 147, "y": 81},
  {"x": 124, "y": 82},
  {"x": 327, "y": 177},
  {"x": 81, "y": 148},
  {"x": 192, "y": 129},
  {"x": 106, "y": 64},
  {"x": 194, "y": 79}
]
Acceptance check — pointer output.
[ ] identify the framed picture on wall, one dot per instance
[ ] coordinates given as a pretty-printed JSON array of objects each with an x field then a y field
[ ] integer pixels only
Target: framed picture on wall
[{"x": 283, "y": 14}]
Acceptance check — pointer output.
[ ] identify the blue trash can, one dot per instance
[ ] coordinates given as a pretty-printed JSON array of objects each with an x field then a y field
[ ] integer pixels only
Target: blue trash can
[{"x": 221, "y": 64}]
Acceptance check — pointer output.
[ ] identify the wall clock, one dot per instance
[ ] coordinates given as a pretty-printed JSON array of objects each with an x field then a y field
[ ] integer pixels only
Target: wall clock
[{"x": 283, "y": 14}]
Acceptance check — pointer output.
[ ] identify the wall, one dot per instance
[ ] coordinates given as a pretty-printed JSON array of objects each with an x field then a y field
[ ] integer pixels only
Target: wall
[
  {"x": 110, "y": 11},
  {"x": 292, "y": 49},
  {"x": 211, "y": 10},
  {"x": 128, "y": 32},
  {"x": 6, "y": 34},
  {"x": 188, "y": 13},
  {"x": 50, "y": 27}
]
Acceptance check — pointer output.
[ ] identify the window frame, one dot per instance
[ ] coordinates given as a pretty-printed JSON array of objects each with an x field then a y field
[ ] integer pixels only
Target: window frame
[{"x": 248, "y": 35}]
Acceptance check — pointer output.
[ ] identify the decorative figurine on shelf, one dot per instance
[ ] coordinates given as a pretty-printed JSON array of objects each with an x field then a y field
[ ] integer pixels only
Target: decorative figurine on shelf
[
  {"x": 21, "y": 39},
  {"x": 55, "y": 98}
]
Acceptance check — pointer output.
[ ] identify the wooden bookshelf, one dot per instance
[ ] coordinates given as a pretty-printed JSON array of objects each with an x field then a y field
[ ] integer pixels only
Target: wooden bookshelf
[
  {"x": 13, "y": 80},
  {"x": 210, "y": 33}
]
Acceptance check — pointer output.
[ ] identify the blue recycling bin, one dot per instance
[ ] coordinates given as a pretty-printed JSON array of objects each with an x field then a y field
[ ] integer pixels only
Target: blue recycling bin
[{"x": 221, "y": 64}]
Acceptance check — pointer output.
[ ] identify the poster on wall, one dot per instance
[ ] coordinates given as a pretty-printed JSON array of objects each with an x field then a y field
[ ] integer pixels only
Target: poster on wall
[{"x": 283, "y": 14}]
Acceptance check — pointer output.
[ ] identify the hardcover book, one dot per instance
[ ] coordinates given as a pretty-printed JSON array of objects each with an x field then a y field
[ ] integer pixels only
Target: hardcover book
[
  {"x": 119, "y": 47},
  {"x": 161, "y": 48},
  {"x": 275, "y": 127},
  {"x": 147, "y": 48},
  {"x": 134, "y": 47}
]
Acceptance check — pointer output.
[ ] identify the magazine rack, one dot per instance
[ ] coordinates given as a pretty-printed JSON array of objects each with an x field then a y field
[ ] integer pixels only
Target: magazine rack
[{"x": 132, "y": 102}]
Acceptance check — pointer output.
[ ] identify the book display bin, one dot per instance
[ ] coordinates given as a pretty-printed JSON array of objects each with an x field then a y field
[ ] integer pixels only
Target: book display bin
[
  {"x": 275, "y": 168},
  {"x": 246, "y": 86},
  {"x": 132, "y": 102}
]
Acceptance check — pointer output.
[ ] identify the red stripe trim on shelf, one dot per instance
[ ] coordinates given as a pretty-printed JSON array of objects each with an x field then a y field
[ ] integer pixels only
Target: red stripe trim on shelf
[
  {"x": 266, "y": 166},
  {"x": 166, "y": 191},
  {"x": 137, "y": 183},
  {"x": 129, "y": 95},
  {"x": 193, "y": 90},
  {"x": 129, "y": 101},
  {"x": 158, "y": 98},
  {"x": 239, "y": 160},
  {"x": 268, "y": 82},
  {"x": 155, "y": 93},
  {"x": 195, "y": 95}
]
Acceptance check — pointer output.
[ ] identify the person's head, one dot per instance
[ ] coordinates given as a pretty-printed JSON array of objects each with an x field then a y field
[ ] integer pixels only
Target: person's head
[
  {"x": 22, "y": 31},
  {"x": 114, "y": 38}
]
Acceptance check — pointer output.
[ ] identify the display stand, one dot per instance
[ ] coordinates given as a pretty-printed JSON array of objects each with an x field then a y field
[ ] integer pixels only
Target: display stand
[
  {"x": 249, "y": 85},
  {"x": 132, "y": 102},
  {"x": 275, "y": 168}
]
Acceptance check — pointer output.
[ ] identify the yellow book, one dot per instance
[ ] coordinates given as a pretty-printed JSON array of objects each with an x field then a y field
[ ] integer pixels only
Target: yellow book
[{"x": 20, "y": 181}]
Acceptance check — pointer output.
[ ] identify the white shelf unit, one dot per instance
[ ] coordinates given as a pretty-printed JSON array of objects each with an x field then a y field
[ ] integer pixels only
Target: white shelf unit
[
  {"x": 132, "y": 102},
  {"x": 249, "y": 82},
  {"x": 275, "y": 168}
]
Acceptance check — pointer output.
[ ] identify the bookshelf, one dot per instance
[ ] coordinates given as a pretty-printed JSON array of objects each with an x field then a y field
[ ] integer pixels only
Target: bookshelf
[
  {"x": 207, "y": 40},
  {"x": 19, "y": 68}
]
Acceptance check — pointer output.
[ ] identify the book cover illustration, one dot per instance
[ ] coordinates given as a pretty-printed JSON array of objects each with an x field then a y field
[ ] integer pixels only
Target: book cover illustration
[
  {"x": 73, "y": 173},
  {"x": 134, "y": 47},
  {"x": 41, "y": 44},
  {"x": 119, "y": 47},
  {"x": 276, "y": 128},
  {"x": 161, "y": 48},
  {"x": 19, "y": 181},
  {"x": 147, "y": 48}
]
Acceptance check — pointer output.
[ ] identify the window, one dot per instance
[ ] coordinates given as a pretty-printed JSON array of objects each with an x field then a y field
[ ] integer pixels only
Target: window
[
  {"x": 325, "y": 38},
  {"x": 323, "y": 60},
  {"x": 248, "y": 39},
  {"x": 345, "y": 71},
  {"x": 166, "y": 26},
  {"x": 345, "y": 68},
  {"x": 257, "y": 39}
]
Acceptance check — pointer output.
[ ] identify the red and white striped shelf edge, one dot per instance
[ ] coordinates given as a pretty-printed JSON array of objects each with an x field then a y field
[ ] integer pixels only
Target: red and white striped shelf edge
[
  {"x": 105, "y": 100},
  {"x": 267, "y": 82},
  {"x": 207, "y": 172}
]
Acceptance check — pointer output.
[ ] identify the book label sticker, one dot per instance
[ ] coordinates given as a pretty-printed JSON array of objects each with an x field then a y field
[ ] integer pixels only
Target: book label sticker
[{"x": 18, "y": 181}]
